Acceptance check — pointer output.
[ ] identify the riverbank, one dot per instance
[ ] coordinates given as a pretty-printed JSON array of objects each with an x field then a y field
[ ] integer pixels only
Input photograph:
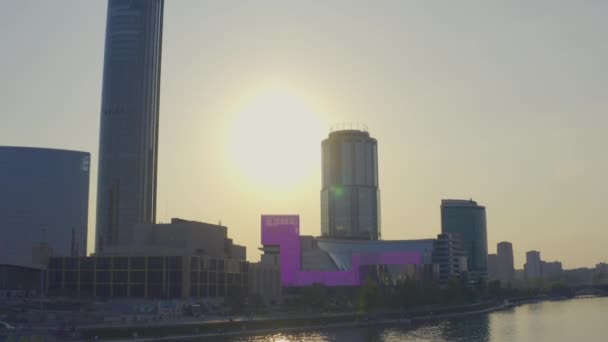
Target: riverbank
[{"x": 190, "y": 331}]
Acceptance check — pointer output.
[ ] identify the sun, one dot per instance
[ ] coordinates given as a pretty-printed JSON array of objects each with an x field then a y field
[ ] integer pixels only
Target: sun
[{"x": 275, "y": 139}]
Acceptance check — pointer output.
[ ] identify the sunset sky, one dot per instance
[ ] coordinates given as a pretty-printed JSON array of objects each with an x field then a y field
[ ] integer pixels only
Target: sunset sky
[{"x": 503, "y": 103}]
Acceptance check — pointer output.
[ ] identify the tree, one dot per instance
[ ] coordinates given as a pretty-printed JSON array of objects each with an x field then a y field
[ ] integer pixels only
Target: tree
[{"x": 495, "y": 289}]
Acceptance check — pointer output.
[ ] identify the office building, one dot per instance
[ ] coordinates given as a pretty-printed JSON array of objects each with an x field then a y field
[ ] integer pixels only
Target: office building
[
  {"x": 449, "y": 256},
  {"x": 506, "y": 267},
  {"x": 44, "y": 203},
  {"x": 493, "y": 266},
  {"x": 467, "y": 220},
  {"x": 350, "y": 196},
  {"x": 128, "y": 141},
  {"x": 533, "y": 266}
]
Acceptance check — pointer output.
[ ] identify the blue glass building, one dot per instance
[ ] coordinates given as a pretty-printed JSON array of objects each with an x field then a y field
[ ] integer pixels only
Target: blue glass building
[
  {"x": 128, "y": 142},
  {"x": 467, "y": 220},
  {"x": 44, "y": 197}
]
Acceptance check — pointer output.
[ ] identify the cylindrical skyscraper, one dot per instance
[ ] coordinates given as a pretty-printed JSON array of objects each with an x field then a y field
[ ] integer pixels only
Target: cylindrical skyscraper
[
  {"x": 128, "y": 142},
  {"x": 468, "y": 220},
  {"x": 350, "y": 196}
]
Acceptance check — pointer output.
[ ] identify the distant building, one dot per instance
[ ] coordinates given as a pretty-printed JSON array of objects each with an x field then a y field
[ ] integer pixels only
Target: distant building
[
  {"x": 493, "y": 266},
  {"x": 519, "y": 275},
  {"x": 350, "y": 196},
  {"x": 449, "y": 256},
  {"x": 128, "y": 139},
  {"x": 601, "y": 267},
  {"x": 468, "y": 220},
  {"x": 506, "y": 267},
  {"x": 533, "y": 266},
  {"x": 44, "y": 199},
  {"x": 551, "y": 269}
]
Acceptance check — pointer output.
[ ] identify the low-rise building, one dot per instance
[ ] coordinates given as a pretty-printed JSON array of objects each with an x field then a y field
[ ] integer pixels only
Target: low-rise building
[
  {"x": 449, "y": 255},
  {"x": 181, "y": 259},
  {"x": 180, "y": 237},
  {"x": 22, "y": 280},
  {"x": 305, "y": 260},
  {"x": 185, "y": 276}
]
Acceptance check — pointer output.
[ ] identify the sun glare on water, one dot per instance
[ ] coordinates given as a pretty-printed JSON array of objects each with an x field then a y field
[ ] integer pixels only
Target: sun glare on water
[{"x": 276, "y": 139}]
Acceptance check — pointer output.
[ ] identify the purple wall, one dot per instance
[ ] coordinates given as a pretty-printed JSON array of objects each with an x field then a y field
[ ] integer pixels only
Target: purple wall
[{"x": 284, "y": 231}]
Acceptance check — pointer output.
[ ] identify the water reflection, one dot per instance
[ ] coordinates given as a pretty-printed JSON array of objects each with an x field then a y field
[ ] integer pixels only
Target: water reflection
[{"x": 571, "y": 320}]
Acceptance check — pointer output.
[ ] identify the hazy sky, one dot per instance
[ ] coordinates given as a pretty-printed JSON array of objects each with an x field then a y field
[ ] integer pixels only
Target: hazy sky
[{"x": 505, "y": 102}]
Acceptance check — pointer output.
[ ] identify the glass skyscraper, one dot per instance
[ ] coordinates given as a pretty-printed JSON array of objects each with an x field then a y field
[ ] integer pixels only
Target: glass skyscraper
[
  {"x": 468, "y": 220},
  {"x": 350, "y": 196},
  {"x": 128, "y": 142},
  {"x": 44, "y": 201}
]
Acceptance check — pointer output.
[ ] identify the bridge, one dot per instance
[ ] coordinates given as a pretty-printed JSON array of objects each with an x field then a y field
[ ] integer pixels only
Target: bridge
[{"x": 590, "y": 290}]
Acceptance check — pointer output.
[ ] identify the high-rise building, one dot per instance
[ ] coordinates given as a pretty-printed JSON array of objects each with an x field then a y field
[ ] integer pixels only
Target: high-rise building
[
  {"x": 506, "y": 266},
  {"x": 493, "y": 266},
  {"x": 128, "y": 142},
  {"x": 533, "y": 267},
  {"x": 350, "y": 196},
  {"x": 44, "y": 204},
  {"x": 468, "y": 220}
]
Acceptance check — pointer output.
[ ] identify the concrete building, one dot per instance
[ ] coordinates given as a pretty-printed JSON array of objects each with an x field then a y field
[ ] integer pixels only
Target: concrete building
[
  {"x": 449, "y": 256},
  {"x": 350, "y": 196},
  {"x": 506, "y": 267},
  {"x": 180, "y": 237},
  {"x": 533, "y": 267},
  {"x": 181, "y": 259},
  {"x": 128, "y": 141},
  {"x": 44, "y": 199},
  {"x": 493, "y": 266},
  {"x": 468, "y": 220}
]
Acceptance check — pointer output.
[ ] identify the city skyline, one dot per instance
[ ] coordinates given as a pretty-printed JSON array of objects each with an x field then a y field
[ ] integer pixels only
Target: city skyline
[{"x": 535, "y": 161}]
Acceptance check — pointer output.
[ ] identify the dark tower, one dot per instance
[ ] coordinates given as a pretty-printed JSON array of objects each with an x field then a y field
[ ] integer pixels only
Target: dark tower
[
  {"x": 467, "y": 220},
  {"x": 128, "y": 142},
  {"x": 350, "y": 195}
]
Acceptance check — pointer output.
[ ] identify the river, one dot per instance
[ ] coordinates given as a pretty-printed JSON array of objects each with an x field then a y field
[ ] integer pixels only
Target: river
[{"x": 580, "y": 319}]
